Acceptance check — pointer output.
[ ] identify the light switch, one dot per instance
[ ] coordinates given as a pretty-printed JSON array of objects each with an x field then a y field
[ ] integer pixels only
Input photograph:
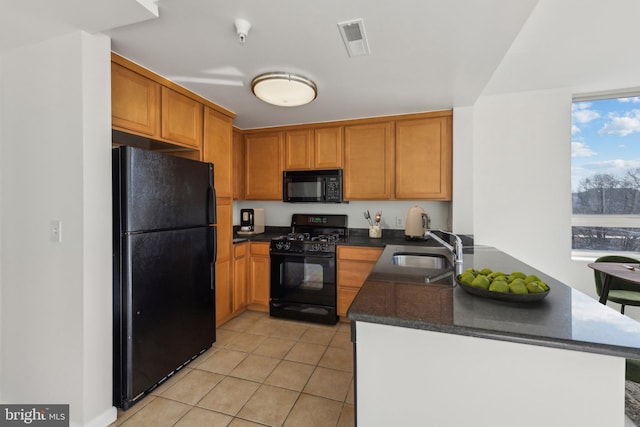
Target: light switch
[{"x": 56, "y": 231}]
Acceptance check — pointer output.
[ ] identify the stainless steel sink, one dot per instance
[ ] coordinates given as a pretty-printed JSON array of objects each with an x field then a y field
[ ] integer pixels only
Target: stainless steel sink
[{"x": 421, "y": 260}]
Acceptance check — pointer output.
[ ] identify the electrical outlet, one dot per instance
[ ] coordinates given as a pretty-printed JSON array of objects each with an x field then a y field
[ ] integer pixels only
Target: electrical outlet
[{"x": 399, "y": 221}]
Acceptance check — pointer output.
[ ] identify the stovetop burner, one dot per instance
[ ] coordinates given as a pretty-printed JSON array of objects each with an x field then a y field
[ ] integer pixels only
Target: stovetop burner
[
  {"x": 306, "y": 237},
  {"x": 312, "y": 233}
]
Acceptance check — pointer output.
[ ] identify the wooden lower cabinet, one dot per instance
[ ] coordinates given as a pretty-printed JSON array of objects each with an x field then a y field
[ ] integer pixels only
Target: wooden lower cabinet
[
  {"x": 224, "y": 280},
  {"x": 259, "y": 276},
  {"x": 354, "y": 265},
  {"x": 240, "y": 257},
  {"x": 224, "y": 260}
]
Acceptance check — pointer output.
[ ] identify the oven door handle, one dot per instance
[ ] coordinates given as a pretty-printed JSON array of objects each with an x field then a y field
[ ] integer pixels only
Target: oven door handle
[{"x": 307, "y": 255}]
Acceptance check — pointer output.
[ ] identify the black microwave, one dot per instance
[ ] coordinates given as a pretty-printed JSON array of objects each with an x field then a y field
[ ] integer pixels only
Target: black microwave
[{"x": 319, "y": 186}]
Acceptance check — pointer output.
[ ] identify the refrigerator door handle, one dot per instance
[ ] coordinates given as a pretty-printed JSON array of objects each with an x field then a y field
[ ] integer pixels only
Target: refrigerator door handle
[
  {"x": 211, "y": 205},
  {"x": 212, "y": 245},
  {"x": 211, "y": 198}
]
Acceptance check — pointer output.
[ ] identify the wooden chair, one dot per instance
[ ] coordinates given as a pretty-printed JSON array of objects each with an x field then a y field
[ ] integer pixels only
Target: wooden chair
[{"x": 621, "y": 291}]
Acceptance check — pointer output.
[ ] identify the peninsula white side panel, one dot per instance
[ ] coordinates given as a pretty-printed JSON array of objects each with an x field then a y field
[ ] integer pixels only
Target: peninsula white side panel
[{"x": 410, "y": 377}]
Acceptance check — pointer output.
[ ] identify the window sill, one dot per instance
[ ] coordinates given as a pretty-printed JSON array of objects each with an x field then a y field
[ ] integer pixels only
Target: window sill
[{"x": 591, "y": 256}]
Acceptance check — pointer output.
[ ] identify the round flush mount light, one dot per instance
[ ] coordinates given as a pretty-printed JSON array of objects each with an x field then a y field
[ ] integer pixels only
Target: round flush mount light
[{"x": 284, "y": 89}]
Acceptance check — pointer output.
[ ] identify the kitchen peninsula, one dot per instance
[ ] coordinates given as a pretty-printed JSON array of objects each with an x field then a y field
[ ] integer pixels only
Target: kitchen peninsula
[{"x": 432, "y": 354}]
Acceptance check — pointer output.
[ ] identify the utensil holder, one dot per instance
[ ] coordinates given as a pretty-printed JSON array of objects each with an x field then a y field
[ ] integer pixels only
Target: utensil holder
[{"x": 375, "y": 232}]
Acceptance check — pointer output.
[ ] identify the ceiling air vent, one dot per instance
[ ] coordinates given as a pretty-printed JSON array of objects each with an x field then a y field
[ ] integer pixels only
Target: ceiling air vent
[{"x": 354, "y": 37}]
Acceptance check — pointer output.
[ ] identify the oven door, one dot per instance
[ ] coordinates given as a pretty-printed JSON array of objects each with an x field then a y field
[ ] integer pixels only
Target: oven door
[{"x": 304, "y": 278}]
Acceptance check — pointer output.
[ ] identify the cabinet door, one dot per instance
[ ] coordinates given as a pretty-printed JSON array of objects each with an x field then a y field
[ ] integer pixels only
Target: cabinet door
[
  {"x": 238, "y": 165},
  {"x": 240, "y": 277},
  {"x": 259, "y": 268},
  {"x": 181, "y": 119},
  {"x": 135, "y": 102},
  {"x": 353, "y": 267},
  {"x": 298, "y": 150},
  {"x": 368, "y": 158},
  {"x": 345, "y": 298},
  {"x": 217, "y": 146},
  {"x": 224, "y": 214},
  {"x": 223, "y": 291},
  {"x": 263, "y": 177},
  {"x": 423, "y": 159},
  {"x": 328, "y": 147},
  {"x": 224, "y": 260}
]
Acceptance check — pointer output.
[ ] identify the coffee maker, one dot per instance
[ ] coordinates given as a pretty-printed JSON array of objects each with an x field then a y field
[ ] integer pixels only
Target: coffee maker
[{"x": 251, "y": 221}]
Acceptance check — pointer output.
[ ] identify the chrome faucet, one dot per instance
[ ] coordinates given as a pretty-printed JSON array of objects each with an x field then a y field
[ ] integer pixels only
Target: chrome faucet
[{"x": 456, "y": 250}]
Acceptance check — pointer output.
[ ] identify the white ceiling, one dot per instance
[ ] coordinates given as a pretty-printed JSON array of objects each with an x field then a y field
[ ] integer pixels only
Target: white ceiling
[{"x": 425, "y": 54}]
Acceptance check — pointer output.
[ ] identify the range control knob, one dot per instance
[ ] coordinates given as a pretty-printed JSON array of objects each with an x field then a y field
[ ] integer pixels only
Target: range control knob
[{"x": 283, "y": 245}]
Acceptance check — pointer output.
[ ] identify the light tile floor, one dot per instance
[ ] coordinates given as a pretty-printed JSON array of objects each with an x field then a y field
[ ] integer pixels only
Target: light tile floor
[{"x": 261, "y": 371}]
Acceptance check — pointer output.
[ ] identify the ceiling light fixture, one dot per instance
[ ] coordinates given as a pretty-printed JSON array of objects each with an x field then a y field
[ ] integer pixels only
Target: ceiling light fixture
[{"x": 284, "y": 89}]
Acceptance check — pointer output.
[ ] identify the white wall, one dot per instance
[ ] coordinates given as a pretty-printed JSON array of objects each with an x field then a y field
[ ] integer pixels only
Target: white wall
[
  {"x": 55, "y": 313},
  {"x": 279, "y": 214},
  {"x": 521, "y": 129},
  {"x": 462, "y": 204},
  {"x": 521, "y": 163},
  {"x": 522, "y": 182}
]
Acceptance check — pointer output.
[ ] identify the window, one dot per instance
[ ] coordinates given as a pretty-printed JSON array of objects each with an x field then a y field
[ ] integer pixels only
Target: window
[{"x": 605, "y": 174}]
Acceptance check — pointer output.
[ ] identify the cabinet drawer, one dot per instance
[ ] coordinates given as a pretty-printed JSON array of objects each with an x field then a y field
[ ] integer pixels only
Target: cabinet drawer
[
  {"x": 260, "y": 249},
  {"x": 359, "y": 253}
]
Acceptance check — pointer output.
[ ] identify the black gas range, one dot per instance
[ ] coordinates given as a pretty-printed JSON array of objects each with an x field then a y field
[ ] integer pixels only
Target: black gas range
[{"x": 303, "y": 268}]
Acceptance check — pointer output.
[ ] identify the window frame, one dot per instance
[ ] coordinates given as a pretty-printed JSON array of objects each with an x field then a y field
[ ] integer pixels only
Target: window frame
[{"x": 603, "y": 220}]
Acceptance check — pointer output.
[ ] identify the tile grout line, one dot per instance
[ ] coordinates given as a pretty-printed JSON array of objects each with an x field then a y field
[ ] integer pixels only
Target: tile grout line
[{"x": 267, "y": 334}]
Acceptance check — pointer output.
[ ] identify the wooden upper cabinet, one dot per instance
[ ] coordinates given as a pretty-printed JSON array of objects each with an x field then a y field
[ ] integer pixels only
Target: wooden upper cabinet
[
  {"x": 328, "y": 150},
  {"x": 218, "y": 149},
  {"x": 263, "y": 162},
  {"x": 298, "y": 149},
  {"x": 181, "y": 119},
  {"x": 313, "y": 148},
  {"x": 423, "y": 155},
  {"x": 135, "y": 102},
  {"x": 238, "y": 165},
  {"x": 369, "y": 161}
]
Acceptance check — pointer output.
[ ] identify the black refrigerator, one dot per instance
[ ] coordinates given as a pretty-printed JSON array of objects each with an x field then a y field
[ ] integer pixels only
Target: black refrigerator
[{"x": 164, "y": 250}]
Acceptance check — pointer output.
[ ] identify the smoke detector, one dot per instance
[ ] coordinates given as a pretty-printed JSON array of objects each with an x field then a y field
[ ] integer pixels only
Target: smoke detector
[
  {"x": 242, "y": 29},
  {"x": 354, "y": 37}
]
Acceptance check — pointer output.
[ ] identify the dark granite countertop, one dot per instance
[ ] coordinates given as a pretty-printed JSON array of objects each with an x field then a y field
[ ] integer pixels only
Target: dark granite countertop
[
  {"x": 566, "y": 318},
  {"x": 357, "y": 237}
]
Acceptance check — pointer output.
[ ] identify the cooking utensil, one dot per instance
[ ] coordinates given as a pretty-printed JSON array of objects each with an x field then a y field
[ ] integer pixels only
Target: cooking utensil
[
  {"x": 378, "y": 217},
  {"x": 367, "y": 216}
]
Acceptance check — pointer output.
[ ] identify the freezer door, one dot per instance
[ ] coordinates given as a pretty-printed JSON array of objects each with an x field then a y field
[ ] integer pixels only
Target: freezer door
[
  {"x": 154, "y": 191},
  {"x": 167, "y": 313}
]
